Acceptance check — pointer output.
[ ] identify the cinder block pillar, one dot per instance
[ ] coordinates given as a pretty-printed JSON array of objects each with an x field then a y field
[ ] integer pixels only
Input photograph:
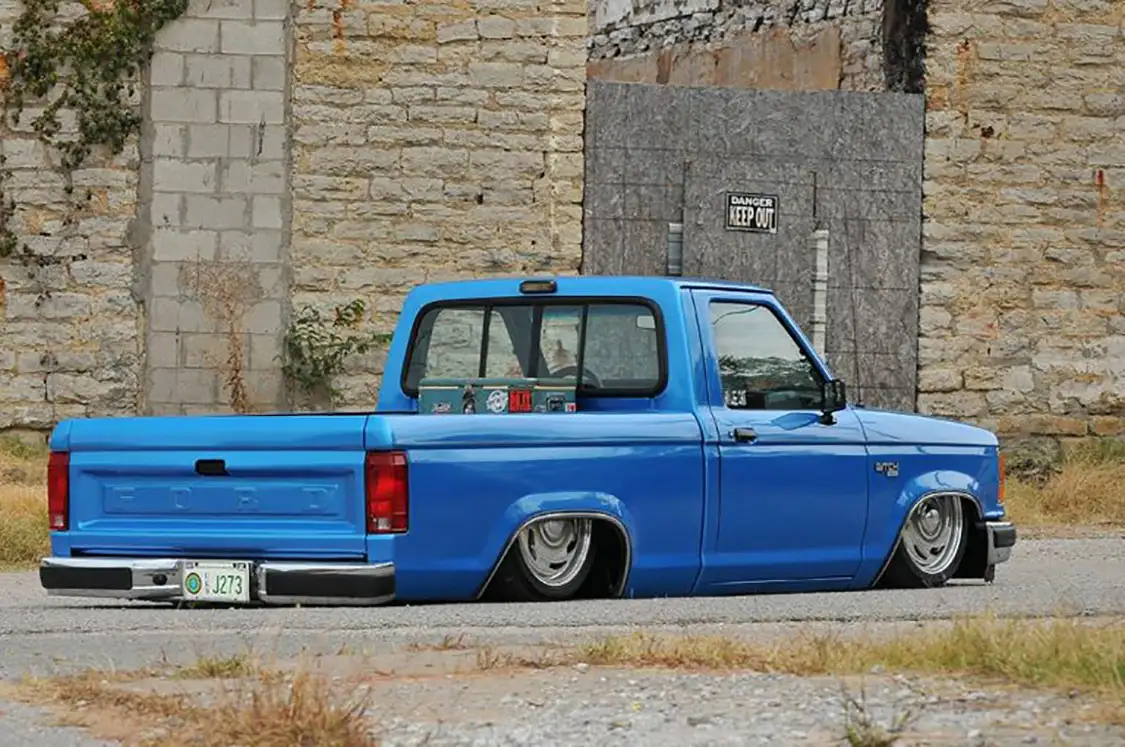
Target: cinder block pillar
[{"x": 214, "y": 215}]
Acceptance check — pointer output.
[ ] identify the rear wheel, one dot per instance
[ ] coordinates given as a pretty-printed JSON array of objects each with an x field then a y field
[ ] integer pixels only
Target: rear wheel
[
  {"x": 931, "y": 544},
  {"x": 550, "y": 560}
]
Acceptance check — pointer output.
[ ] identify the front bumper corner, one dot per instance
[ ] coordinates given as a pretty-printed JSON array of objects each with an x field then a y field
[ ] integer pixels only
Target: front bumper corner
[{"x": 1001, "y": 539}]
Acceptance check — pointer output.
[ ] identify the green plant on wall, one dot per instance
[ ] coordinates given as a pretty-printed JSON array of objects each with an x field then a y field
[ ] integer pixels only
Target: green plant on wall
[
  {"x": 90, "y": 66},
  {"x": 317, "y": 348},
  {"x": 8, "y": 241}
]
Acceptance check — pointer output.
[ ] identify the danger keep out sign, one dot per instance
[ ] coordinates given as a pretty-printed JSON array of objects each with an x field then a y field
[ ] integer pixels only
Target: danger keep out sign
[{"x": 751, "y": 212}]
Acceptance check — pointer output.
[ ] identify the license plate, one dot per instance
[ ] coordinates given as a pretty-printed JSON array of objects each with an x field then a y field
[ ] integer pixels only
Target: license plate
[{"x": 216, "y": 581}]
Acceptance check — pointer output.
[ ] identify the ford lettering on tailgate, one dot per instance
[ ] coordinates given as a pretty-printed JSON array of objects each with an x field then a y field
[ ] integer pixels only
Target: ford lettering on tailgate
[{"x": 276, "y": 498}]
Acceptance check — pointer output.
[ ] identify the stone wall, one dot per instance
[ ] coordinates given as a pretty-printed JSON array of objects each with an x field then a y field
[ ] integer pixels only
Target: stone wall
[
  {"x": 1023, "y": 264},
  {"x": 433, "y": 141},
  {"x": 354, "y": 151},
  {"x": 778, "y": 44},
  {"x": 69, "y": 333}
]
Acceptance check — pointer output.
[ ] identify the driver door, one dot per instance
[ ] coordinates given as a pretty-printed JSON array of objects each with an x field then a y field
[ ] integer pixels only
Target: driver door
[{"x": 792, "y": 491}]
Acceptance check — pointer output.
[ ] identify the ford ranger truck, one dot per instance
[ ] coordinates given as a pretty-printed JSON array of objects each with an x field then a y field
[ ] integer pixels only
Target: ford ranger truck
[{"x": 708, "y": 450}]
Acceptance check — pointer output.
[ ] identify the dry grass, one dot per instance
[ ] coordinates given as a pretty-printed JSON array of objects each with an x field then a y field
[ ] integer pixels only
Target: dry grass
[
  {"x": 219, "y": 667},
  {"x": 490, "y": 658},
  {"x": 1086, "y": 488},
  {"x": 228, "y": 290},
  {"x": 862, "y": 730},
  {"x": 23, "y": 504},
  {"x": 298, "y": 710},
  {"x": 447, "y": 643},
  {"x": 263, "y": 709},
  {"x": 1054, "y": 653}
]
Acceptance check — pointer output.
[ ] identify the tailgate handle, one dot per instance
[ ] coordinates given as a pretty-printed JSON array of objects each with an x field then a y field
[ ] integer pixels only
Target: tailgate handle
[{"x": 212, "y": 468}]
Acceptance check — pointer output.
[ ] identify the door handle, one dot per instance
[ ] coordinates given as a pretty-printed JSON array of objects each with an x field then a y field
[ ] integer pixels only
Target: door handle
[{"x": 745, "y": 435}]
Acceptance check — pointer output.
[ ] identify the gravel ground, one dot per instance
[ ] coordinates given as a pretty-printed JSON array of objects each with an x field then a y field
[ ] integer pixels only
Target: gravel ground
[
  {"x": 582, "y": 706},
  {"x": 45, "y": 635},
  {"x": 663, "y": 709},
  {"x": 24, "y": 726}
]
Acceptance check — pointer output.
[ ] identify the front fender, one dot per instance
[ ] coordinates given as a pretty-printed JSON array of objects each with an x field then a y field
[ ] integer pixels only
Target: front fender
[
  {"x": 888, "y": 518},
  {"x": 540, "y": 505},
  {"x": 937, "y": 481}
]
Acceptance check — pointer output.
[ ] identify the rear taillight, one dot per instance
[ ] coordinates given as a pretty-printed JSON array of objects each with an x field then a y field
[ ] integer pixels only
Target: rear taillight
[
  {"x": 388, "y": 500},
  {"x": 58, "y": 490},
  {"x": 1002, "y": 468}
]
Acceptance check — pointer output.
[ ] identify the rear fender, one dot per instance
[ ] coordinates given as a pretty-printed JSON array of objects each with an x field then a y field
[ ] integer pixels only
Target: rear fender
[
  {"x": 569, "y": 503},
  {"x": 883, "y": 541}
]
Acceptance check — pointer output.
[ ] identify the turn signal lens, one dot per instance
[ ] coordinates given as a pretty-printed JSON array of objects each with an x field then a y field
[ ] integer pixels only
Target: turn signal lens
[{"x": 1001, "y": 466}]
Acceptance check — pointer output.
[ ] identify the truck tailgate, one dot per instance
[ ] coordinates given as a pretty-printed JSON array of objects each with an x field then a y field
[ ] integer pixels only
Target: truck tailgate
[{"x": 251, "y": 487}]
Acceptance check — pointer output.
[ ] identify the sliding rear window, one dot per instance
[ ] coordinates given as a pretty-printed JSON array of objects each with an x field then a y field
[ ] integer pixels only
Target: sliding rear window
[{"x": 611, "y": 348}]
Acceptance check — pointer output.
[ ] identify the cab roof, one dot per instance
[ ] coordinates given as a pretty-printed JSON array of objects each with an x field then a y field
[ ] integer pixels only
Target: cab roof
[{"x": 580, "y": 284}]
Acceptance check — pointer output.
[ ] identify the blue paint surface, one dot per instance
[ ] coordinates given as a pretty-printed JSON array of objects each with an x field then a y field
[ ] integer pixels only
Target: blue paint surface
[{"x": 802, "y": 507}]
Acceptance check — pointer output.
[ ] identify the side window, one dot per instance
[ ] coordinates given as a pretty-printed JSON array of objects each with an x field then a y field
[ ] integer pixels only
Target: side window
[{"x": 760, "y": 364}]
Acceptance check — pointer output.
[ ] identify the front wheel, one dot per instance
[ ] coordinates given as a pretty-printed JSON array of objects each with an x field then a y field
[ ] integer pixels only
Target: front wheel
[
  {"x": 931, "y": 544},
  {"x": 549, "y": 560}
]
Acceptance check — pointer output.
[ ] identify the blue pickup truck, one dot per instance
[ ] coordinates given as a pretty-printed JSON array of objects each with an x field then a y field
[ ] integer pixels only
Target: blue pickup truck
[{"x": 708, "y": 450}]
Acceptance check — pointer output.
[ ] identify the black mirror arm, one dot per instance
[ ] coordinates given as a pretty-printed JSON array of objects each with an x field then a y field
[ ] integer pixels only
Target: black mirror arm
[{"x": 834, "y": 398}]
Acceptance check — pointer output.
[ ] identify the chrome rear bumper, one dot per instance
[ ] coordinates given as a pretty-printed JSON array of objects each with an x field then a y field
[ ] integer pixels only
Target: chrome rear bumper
[{"x": 272, "y": 582}]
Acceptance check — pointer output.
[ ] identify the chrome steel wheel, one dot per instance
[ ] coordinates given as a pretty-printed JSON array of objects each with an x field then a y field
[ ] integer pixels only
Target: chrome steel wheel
[
  {"x": 555, "y": 551},
  {"x": 933, "y": 534}
]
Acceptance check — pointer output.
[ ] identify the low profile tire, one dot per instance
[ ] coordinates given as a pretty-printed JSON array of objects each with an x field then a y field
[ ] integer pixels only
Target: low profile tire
[
  {"x": 931, "y": 544},
  {"x": 549, "y": 561}
]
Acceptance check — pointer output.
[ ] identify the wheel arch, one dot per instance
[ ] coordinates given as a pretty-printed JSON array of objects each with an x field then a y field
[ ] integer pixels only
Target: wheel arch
[
  {"x": 603, "y": 508},
  {"x": 975, "y": 524}
]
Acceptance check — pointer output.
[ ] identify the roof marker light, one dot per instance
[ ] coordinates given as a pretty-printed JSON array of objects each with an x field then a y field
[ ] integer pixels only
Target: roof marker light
[{"x": 538, "y": 286}]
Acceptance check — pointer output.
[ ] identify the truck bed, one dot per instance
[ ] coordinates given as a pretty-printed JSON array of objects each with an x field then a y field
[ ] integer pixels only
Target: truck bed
[{"x": 293, "y": 499}]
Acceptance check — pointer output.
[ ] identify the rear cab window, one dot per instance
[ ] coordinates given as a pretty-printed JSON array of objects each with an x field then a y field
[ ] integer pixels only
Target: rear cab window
[{"x": 610, "y": 347}]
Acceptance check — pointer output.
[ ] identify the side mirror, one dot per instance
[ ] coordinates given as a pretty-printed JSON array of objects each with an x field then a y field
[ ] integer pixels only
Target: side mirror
[{"x": 833, "y": 398}]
